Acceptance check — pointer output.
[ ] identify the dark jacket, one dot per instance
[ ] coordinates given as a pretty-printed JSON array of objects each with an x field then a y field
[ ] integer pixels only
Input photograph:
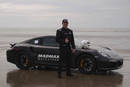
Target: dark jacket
[{"x": 61, "y": 34}]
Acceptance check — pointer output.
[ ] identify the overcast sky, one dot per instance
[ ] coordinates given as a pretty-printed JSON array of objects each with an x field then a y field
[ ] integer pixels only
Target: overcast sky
[{"x": 49, "y": 13}]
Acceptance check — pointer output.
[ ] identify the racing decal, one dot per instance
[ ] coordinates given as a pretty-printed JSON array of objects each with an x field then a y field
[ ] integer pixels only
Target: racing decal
[{"x": 48, "y": 57}]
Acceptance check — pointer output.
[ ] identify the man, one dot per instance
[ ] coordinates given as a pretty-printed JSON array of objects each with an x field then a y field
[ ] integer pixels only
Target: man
[{"x": 64, "y": 36}]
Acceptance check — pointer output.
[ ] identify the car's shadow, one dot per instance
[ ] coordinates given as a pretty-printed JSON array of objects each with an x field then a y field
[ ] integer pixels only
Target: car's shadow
[{"x": 41, "y": 78}]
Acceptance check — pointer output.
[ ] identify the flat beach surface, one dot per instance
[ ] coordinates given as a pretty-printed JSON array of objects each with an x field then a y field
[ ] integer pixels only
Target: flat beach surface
[{"x": 117, "y": 39}]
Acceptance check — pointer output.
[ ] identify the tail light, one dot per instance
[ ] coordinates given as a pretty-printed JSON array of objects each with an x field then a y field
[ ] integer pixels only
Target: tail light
[{"x": 15, "y": 49}]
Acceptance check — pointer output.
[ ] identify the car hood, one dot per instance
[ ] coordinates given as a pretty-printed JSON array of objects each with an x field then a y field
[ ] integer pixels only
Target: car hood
[{"x": 103, "y": 50}]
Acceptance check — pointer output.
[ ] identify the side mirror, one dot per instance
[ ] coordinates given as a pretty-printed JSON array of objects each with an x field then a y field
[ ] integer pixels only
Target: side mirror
[{"x": 107, "y": 48}]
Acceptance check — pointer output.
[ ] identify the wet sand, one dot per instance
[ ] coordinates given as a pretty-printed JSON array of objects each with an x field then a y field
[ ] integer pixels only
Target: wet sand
[{"x": 11, "y": 76}]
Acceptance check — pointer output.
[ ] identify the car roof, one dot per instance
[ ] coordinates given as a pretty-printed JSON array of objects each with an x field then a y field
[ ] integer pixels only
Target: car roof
[
  {"x": 47, "y": 36},
  {"x": 44, "y": 36}
]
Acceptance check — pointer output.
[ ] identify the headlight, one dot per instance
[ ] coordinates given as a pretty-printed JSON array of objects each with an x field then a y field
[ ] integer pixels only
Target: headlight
[{"x": 103, "y": 54}]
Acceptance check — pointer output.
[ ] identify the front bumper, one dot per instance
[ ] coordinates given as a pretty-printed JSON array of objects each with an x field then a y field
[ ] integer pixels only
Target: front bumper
[{"x": 111, "y": 64}]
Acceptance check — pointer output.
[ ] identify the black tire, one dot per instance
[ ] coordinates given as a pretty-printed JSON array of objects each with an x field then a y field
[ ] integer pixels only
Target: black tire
[
  {"x": 23, "y": 61},
  {"x": 87, "y": 64}
]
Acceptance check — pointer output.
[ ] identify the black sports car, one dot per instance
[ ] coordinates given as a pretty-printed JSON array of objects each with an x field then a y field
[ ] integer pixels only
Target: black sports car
[{"x": 44, "y": 51}]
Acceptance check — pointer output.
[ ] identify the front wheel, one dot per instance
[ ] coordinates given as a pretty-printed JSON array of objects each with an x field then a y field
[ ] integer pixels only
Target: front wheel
[
  {"x": 87, "y": 64},
  {"x": 23, "y": 61}
]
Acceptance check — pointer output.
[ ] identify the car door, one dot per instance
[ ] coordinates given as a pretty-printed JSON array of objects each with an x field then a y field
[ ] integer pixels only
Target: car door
[
  {"x": 35, "y": 45},
  {"x": 49, "y": 51}
]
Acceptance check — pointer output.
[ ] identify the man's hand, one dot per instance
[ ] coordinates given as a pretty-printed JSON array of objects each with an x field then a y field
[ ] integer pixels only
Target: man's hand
[
  {"x": 73, "y": 50},
  {"x": 66, "y": 40}
]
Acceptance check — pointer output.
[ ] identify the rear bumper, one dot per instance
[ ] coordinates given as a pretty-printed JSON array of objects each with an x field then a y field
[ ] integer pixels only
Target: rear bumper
[
  {"x": 110, "y": 65},
  {"x": 11, "y": 56}
]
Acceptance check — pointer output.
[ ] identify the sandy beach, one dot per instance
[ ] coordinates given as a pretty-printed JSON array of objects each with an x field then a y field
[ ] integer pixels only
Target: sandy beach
[{"x": 119, "y": 41}]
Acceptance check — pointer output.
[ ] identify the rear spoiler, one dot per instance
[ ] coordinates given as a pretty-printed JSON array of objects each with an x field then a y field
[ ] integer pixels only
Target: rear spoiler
[{"x": 12, "y": 44}]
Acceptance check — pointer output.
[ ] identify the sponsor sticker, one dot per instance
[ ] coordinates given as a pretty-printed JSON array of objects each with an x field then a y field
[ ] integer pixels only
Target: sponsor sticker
[{"x": 48, "y": 57}]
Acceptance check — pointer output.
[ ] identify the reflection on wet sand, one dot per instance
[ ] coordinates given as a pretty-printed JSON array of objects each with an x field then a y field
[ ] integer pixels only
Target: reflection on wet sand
[{"x": 30, "y": 78}]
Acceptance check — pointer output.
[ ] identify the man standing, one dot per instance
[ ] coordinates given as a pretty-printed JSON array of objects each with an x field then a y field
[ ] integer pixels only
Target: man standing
[{"x": 65, "y": 38}]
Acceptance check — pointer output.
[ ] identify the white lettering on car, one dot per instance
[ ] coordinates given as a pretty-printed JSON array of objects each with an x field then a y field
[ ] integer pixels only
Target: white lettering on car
[{"x": 48, "y": 57}]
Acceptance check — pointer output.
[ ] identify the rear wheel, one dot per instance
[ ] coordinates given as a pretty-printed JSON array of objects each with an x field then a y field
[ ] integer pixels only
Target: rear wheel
[
  {"x": 87, "y": 64},
  {"x": 23, "y": 61}
]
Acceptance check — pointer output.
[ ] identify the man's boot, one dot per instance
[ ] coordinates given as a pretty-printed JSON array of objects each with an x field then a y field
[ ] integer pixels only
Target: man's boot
[
  {"x": 68, "y": 73},
  {"x": 59, "y": 75}
]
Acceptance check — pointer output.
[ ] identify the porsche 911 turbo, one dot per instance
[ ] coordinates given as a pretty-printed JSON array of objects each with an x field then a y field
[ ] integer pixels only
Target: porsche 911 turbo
[{"x": 44, "y": 51}]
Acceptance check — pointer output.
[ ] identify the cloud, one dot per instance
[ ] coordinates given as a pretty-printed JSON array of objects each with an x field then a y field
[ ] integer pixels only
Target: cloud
[
  {"x": 89, "y": 13},
  {"x": 25, "y": 7},
  {"x": 17, "y": 9}
]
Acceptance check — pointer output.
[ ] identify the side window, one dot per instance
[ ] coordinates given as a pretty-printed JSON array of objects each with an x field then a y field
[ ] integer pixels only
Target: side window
[
  {"x": 34, "y": 42},
  {"x": 50, "y": 41}
]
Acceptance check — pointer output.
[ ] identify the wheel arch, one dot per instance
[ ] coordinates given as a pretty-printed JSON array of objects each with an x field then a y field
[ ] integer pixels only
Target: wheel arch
[
  {"x": 27, "y": 51},
  {"x": 77, "y": 59}
]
